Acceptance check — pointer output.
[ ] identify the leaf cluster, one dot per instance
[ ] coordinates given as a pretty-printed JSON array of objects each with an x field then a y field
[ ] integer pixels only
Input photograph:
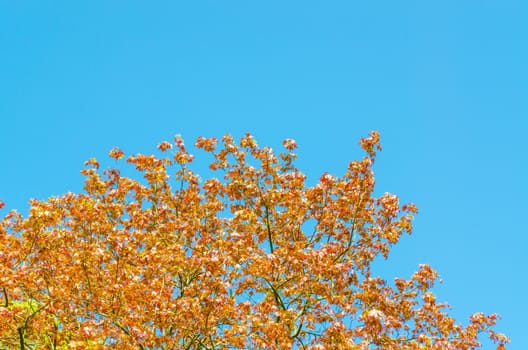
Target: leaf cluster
[{"x": 250, "y": 259}]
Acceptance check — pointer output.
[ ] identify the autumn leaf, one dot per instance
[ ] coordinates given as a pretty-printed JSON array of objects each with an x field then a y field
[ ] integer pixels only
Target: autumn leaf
[{"x": 249, "y": 257}]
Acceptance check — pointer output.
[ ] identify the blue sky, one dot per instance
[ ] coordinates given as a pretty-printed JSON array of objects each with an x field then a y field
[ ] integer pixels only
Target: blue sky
[{"x": 444, "y": 82}]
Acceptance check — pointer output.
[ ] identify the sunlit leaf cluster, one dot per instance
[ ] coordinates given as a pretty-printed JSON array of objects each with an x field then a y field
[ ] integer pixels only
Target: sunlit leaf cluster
[{"x": 249, "y": 258}]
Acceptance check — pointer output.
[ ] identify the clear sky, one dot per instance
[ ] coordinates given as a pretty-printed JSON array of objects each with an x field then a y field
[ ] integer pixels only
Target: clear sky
[{"x": 444, "y": 82}]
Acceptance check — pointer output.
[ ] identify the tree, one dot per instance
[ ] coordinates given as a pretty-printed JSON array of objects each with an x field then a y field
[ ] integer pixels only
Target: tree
[{"x": 254, "y": 259}]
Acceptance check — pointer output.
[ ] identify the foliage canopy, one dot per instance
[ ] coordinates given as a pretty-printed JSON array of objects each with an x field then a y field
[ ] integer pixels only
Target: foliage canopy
[{"x": 253, "y": 259}]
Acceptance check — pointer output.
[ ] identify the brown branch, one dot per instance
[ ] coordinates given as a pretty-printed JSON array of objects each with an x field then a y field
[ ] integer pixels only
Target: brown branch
[
  {"x": 21, "y": 337},
  {"x": 6, "y": 300}
]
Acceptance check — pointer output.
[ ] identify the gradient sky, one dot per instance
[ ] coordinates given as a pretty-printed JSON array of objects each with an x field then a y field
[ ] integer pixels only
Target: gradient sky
[{"x": 444, "y": 82}]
